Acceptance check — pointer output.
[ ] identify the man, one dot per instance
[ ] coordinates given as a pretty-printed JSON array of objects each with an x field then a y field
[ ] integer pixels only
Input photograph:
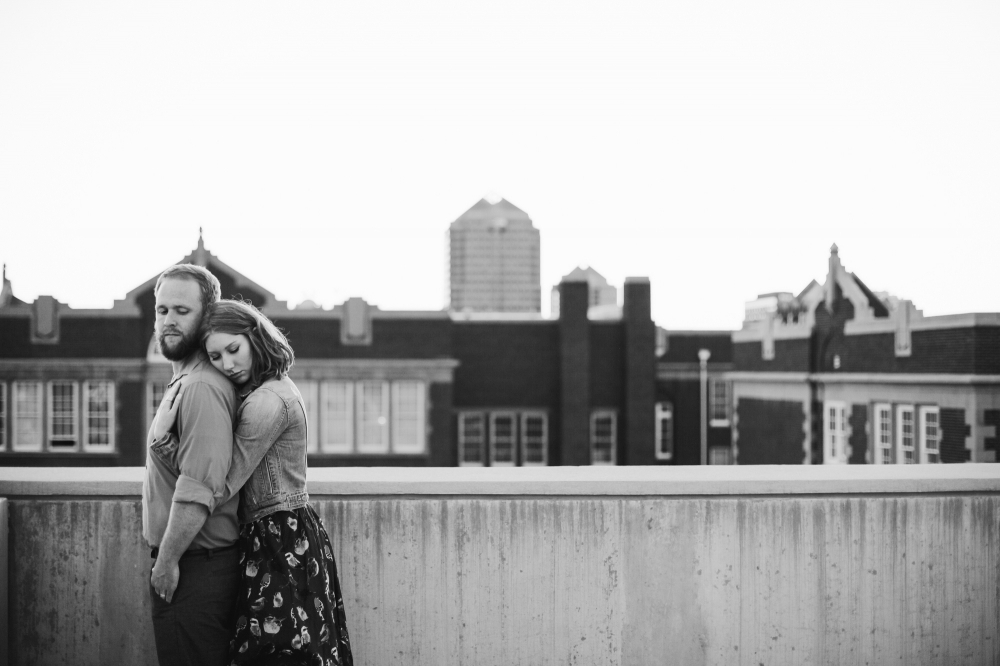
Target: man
[{"x": 195, "y": 576}]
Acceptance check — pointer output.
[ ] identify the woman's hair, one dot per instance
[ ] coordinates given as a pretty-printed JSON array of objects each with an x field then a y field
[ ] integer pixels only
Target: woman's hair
[{"x": 272, "y": 355}]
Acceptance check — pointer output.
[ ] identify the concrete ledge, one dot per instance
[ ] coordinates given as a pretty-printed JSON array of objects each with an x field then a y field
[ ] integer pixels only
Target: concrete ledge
[{"x": 556, "y": 481}]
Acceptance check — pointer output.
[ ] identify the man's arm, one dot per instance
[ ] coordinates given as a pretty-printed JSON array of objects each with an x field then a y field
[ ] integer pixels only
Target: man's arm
[
  {"x": 203, "y": 456},
  {"x": 186, "y": 519}
]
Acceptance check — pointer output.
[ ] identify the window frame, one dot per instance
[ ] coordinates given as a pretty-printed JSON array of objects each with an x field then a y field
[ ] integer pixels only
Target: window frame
[
  {"x": 3, "y": 416},
  {"x": 901, "y": 448},
  {"x": 152, "y": 401},
  {"x": 544, "y": 438},
  {"x": 494, "y": 417},
  {"x": 309, "y": 390},
  {"x": 713, "y": 402},
  {"x": 420, "y": 391},
  {"x": 463, "y": 439},
  {"x": 883, "y": 453},
  {"x": 715, "y": 452},
  {"x": 85, "y": 429},
  {"x": 925, "y": 411},
  {"x": 16, "y": 444},
  {"x": 371, "y": 448},
  {"x": 51, "y": 415},
  {"x": 596, "y": 415},
  {"x": 663, "y": 411},
  {"x": 326, "y": 431},
  {"x": 835, "y": 432}
]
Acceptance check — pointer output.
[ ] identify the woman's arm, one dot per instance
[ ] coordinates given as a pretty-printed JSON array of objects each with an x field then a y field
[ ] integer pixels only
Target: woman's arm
[{"x": 262, "y": 419}]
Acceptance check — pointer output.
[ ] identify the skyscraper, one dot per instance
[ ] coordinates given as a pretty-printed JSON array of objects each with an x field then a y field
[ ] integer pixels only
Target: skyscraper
[{"x": 493, "y": 251}]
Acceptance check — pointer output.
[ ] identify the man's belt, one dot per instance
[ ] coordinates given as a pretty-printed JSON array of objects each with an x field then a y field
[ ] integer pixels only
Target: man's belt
[{"x": 197, "y": 552}]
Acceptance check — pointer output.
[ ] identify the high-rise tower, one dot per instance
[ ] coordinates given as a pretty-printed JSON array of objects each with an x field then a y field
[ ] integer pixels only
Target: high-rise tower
[{"x": 493, "y": 264}]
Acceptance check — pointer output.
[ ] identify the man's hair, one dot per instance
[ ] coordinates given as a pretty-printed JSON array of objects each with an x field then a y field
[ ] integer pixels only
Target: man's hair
[
  {"x": 211, "y": 290},
  {"x": 272, "y": 355}
]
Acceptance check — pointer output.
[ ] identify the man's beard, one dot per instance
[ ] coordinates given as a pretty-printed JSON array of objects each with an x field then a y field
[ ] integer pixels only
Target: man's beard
[{"x": 184, "y": 347}]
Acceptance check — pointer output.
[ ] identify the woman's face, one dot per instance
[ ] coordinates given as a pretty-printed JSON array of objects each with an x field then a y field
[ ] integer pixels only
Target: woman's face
[{"x": 230, "y": 354}]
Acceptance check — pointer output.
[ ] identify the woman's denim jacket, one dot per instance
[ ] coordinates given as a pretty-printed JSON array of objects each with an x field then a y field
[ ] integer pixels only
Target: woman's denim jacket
[{"x": 269, "y": 451}]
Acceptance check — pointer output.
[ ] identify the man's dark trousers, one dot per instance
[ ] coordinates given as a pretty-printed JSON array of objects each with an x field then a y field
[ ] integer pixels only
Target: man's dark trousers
[{"x": 195, "y": 628}]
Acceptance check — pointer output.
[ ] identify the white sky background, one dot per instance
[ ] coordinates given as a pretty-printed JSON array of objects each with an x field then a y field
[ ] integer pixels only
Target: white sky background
[{"x": 718, "y": 148}]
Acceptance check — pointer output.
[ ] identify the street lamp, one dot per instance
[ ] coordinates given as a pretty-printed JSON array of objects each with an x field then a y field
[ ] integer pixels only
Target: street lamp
[{"x": 703, "y": 356}]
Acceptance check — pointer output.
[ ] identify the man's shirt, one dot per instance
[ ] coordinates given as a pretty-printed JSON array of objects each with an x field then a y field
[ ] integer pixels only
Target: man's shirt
[{"x": 192, "y": 467}]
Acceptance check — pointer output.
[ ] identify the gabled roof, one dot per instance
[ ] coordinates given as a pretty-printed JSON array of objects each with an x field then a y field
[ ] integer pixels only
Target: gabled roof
[
  {"x": 7, "y": 296},
  {"x": 878, "y": 307},
  {"x": 486, "y": 212},
  {"x": 585, "y": 274},
  {"x": 202, "y": 257}
]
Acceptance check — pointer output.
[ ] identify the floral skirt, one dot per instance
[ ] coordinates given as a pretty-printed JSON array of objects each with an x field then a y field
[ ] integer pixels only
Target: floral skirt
[{"x": 290, "y": 609}]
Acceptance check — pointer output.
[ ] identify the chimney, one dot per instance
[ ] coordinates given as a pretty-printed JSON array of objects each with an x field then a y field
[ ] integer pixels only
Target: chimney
[
  {"x": 574, "y": 373},
  {"x": 640, "y": 375}
]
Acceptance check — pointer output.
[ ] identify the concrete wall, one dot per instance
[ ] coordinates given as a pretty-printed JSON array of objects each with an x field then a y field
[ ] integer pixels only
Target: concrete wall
[{"x": 641, "y": 565}]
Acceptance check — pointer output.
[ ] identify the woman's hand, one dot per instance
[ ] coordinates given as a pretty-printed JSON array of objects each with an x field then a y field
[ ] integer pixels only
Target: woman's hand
[{"x": 166, "y": 414}]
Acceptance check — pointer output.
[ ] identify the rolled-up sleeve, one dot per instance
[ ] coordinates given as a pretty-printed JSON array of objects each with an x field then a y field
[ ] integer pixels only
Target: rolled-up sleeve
[{"x": 205, "y": 450}]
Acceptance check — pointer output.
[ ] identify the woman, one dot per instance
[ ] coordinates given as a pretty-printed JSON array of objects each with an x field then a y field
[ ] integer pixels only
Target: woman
[{"x": 290, "y": 609}]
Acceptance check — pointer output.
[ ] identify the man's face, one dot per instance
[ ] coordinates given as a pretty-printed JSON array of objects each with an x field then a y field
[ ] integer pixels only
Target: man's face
[{"x": 178, "y": 316}]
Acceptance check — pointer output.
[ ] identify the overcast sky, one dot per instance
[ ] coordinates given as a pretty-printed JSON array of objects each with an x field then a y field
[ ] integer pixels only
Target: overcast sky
[{"x": 718, "y": 148}]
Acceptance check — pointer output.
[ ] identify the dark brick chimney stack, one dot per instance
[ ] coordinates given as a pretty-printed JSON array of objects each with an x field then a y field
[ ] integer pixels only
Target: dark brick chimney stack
[
  {"x": 640, "y": 375},
  {"x": 574, "y": 373}
]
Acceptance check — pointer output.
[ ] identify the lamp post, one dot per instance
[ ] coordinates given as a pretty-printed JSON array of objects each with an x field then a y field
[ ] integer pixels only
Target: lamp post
[{"x": 703, "y": 356}]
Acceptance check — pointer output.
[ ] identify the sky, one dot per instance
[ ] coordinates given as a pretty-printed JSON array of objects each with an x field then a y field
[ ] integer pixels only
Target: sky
[{"x": 717, "y": 148}]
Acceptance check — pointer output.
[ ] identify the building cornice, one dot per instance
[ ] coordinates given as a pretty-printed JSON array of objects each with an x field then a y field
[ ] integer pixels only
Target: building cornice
[
  {"x": 775, "y": 377},
  {"x": 889, "y": 325},
  {"x": 863, "y": 378},
  {"x": 439, "y": 370}
]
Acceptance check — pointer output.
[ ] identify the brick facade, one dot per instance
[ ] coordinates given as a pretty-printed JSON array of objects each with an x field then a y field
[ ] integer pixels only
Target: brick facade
[
  {"x": 954, "y": 433},
  {"x": 771, "y": 432},
  {"x": 842, "y": 347},
  {"x": 557, "y": 370}
]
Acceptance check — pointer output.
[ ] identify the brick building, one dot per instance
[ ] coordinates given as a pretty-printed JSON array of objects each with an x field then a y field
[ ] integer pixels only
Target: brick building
[
  {"x": 436, "y": 388},
  {"x": 839, "y": 374},
  {"x": 694, "y": 397}
]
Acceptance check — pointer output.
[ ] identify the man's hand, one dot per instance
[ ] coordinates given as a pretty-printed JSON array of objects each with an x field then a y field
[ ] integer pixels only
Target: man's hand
[
  {"x": 166, "y": 414},
  {"x": 165, "y": 577}
]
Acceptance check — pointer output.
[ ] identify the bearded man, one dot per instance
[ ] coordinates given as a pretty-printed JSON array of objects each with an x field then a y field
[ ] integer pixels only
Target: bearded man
[{"x": 195, "y": 575}]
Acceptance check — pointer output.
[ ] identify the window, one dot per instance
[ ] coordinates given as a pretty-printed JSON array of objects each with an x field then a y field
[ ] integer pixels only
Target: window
[
  {"x": 534, "y": 438},
  {"x": 408, "y": 431},
  {"x": 930, "y": 435},
  {"x": 27, "y": 416},
  {"x": 664, "y": 429},
  {"x": 603, "y": 437},
  {"x": 720, "y": 455},
  {"x": 834, "y": 433},
  {"x": 154, "y": 391},
  {"x": 882, "y": 434},
  {"x": 309, "y": 390},
  {"x": 719, "y": 391},
  {"x": 372, "y": 420},
  {"x": 503, "y": 438},
  {"x": 905, "y": 435},
  {"x": 63, "y": 410},
  {"x": 99, "y": 416},
  {"x": 471, "y": 439},
  {"x": 337, "y": 404},
  {"x": 3, "y": 416}
]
